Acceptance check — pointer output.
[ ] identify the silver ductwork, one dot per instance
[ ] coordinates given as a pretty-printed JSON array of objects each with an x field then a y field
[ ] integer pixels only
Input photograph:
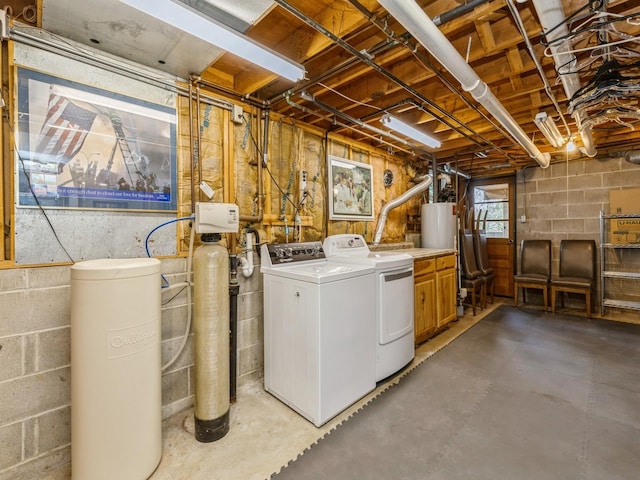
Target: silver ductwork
[
  {"x": 554, "y": 26},
  {"x": 454, "y": 171},
  {"x": 631, "y": 156},
  {"x": 416, "y": 21},
  {"x": 382, "y": 219}
]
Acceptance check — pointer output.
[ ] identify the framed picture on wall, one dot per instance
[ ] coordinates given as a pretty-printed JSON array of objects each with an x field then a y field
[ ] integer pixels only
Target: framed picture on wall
[
  {"x": 351, "y": 190},
  {"x": 84, "y": 147}
]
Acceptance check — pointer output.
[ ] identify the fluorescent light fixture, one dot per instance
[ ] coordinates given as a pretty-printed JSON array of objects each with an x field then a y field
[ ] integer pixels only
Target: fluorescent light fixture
[
  {"x": 219, "y": 35},
  {"x": 401, "y": 127},
  {"x": 549, "y": 129}
]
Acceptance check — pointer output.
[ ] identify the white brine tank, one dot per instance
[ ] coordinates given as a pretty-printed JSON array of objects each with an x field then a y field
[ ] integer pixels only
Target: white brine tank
[{"x": 116, "y": 406}]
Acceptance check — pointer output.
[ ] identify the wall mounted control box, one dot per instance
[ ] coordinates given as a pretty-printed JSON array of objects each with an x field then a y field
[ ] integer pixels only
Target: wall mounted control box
[{"x": 217, "y": 217}]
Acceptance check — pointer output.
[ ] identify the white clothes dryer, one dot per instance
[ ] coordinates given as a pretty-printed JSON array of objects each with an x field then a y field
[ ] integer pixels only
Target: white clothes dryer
[
  {"x": 393, "y": 298},
  {"x": 319, "y": 341}
]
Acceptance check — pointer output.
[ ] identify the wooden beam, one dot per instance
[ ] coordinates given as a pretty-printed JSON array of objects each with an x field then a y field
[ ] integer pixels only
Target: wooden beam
[
  {"x": 516, "y": 66},
  {"x": 486, "y": 35}
]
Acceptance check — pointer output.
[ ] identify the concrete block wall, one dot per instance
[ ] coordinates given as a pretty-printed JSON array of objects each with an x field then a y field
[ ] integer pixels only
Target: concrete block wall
[
  {"x": 564, "y": 201},
  {"x": 35, "y": 357}
]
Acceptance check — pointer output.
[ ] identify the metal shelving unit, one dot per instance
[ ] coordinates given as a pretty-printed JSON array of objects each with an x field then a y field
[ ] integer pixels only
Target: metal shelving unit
[{"x": 610, "y": 270}]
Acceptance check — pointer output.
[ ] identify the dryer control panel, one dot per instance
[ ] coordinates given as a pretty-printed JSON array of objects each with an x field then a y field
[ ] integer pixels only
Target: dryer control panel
[{"x": 345, "y": 243}]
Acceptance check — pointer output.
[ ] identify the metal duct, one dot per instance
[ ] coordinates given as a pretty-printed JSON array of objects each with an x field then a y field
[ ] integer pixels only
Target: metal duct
[
  {"x": 458, "y": 11},
  {"x": 451, "y": 170},
  {"x": 416, "y": 189},
  {"x": 416, "y": 21},
  {"x": 631, "y": 156},
  {"x": 553, "y": 22}
]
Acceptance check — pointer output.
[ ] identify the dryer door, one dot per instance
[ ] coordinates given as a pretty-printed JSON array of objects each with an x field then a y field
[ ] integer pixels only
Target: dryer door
[{"x": 395, "y": 304}]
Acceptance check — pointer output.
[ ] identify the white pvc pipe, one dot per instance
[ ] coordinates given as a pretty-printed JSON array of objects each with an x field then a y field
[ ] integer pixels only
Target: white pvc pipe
[
  {"x": 246, "y": 262},
  {"x": 416, "y": 21},
  {"x": 553, "y": 22}
]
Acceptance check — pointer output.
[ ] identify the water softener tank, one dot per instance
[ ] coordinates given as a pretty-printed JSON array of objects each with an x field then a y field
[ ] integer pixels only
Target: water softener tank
[
  {"x": 211, "y": 339},
  {"x": 116, "y": 405}
]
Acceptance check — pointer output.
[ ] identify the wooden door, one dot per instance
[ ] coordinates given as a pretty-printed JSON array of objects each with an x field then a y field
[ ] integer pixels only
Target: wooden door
[{"x": 497, "y": 197}]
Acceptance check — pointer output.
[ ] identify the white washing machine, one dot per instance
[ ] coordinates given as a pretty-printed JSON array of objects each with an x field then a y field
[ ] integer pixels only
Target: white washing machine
[
  {"x": 394, "y": 298},
  {"x": 319, "y": 341}
]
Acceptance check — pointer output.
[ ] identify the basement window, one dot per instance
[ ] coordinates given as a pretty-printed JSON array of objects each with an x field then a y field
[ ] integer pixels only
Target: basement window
[{"x": 495, "y": 200}]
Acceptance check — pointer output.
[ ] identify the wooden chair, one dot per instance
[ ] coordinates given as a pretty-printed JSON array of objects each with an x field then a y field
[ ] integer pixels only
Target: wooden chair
[
  {"x": 470, "y": 276},
  {"x": 482, "y": 255},
  {"x": 535, "y": 269},
  {"x": 577, "y": 273}
]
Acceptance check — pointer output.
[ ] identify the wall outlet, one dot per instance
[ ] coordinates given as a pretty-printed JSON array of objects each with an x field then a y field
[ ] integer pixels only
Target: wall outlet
[{"x": 523, "y": 219}]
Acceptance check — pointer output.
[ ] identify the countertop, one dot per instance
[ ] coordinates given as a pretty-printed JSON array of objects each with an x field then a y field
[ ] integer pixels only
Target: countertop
[
  {"x": 427, "y": 252},
  {"x": 408, "y": 247}
]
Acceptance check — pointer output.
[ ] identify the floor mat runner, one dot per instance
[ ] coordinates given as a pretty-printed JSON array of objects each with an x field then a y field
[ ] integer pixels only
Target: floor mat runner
[{"x": 523, "y": 394}]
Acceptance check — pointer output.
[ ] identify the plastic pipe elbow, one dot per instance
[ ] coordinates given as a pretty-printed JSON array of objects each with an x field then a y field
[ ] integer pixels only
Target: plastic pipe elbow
[{"x": 246, "y": 265}]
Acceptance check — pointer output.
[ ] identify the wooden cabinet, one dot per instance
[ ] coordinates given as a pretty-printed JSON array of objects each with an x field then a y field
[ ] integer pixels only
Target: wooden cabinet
[
  {"x": 446, "y": 288},
  {"x": 434, "y": 295},
  {"x": 424, "y": 298}
]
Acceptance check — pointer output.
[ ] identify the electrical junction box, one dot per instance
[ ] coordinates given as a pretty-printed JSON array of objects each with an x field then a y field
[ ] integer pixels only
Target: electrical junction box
[
  {"x": 237, "y": 114},
  {"x": 217, "y": 217},
  {"x": 303, "y": 179}
]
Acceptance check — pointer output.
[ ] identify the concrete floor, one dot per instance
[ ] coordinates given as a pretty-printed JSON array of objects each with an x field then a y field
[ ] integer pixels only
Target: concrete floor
[
  {"x": 523, "y": 395},
  {"x": 265, "y": 434}
]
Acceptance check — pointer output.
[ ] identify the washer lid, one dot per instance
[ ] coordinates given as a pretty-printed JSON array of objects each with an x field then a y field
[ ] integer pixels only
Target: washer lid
[{"x": 320, "y": 272}]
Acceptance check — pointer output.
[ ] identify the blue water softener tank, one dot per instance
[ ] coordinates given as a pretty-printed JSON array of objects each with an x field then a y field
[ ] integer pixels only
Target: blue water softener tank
[{"x": 116, "y": 405}]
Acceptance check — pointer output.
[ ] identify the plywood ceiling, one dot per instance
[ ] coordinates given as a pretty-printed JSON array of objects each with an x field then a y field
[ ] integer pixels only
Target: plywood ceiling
[{"x": 361, "y": 63}]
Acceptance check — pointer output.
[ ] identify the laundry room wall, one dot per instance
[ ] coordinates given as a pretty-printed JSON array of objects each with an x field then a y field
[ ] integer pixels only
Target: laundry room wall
[
  {"x": 564, "y": 201},
  {"x": 35, "y": 378}
]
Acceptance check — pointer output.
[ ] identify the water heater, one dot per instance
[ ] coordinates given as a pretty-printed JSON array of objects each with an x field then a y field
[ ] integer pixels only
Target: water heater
[{"x": 439, "y": 225}]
